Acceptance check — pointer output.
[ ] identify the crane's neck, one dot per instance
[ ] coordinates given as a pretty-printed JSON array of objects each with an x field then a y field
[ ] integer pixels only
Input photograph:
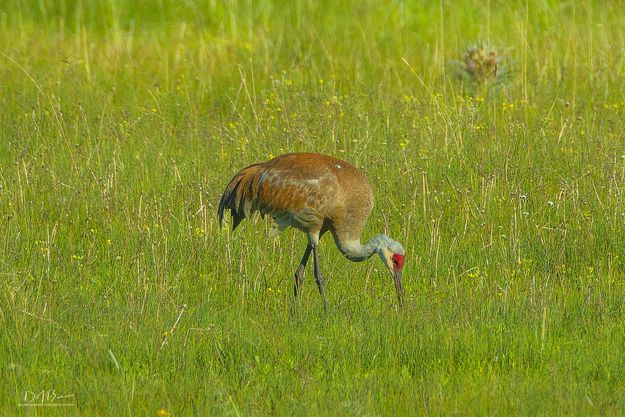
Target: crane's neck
[{"x": 357, "y": 252}]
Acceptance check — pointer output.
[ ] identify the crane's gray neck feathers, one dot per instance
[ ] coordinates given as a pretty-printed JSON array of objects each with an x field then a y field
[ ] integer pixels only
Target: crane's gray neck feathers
[{"x": 357, "y": 252}]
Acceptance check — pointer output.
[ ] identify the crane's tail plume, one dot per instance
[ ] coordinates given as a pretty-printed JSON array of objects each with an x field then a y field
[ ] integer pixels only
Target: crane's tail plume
[{"x": 239, "y": 195}]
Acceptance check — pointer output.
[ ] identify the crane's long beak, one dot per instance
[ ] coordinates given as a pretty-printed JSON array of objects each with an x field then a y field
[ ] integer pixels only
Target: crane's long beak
[{"x": 398, "y": 286}]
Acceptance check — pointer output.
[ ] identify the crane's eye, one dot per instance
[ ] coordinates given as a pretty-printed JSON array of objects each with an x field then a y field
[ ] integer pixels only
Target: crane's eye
[{"x": 395, "y": 261}]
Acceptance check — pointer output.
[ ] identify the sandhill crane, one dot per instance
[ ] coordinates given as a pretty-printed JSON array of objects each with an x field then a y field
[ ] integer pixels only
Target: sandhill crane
[{"x": 315, "y": 194}]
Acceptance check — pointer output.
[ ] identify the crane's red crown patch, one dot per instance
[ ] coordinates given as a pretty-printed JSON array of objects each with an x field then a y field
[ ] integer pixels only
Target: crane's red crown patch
[{"x": 398, "y": 260}]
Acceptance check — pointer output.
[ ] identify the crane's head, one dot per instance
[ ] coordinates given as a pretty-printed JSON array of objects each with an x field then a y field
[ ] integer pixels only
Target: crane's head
[{"x": 394, "y": 256}]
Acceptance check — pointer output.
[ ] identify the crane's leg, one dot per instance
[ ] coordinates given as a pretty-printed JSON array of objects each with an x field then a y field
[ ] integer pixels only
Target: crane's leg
[
  {"x": 299, "y": 274},
  {"x": 321, "y": 282},
  {"x": 313, "y": 243}
]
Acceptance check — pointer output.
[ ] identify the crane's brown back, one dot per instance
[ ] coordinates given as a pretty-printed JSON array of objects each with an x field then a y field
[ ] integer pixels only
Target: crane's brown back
[{"x": 308, "y": 191}]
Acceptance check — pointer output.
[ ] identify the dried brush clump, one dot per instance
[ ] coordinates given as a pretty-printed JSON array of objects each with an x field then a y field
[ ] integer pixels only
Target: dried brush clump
[{"x": 482, "y": 67}]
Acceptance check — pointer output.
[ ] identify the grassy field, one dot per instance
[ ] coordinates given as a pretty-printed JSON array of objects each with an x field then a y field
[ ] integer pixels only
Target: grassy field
[{"x": 122, "y": 122}]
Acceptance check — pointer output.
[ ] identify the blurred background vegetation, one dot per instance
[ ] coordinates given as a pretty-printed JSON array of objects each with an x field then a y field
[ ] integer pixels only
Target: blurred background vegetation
[{"x": 122, "y": 122}]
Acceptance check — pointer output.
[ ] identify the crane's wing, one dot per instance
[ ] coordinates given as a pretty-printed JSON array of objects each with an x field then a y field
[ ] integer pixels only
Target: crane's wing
[
  {"x": 236, "y": 190},
  {"x": 279, "y": 190}
]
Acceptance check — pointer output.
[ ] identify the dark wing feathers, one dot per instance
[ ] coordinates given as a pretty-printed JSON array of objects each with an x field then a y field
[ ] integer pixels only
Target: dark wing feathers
[{"x": 237, "y": 191}]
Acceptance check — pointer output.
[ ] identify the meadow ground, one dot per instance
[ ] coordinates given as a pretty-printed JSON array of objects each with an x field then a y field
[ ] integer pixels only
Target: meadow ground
[{"x": 121, "y": 123}]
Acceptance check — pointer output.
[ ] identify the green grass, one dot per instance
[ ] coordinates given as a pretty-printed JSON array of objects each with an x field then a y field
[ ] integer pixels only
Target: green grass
[{"x": 122, "y": 122}]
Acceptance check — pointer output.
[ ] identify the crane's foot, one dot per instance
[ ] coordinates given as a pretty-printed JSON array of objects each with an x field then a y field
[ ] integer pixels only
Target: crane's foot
[
  {"x": 299, "y": 274},
  {"x": 299, "y": 281},
  {"x": 325, "y": 305},
  {"x": 321, "y": 284}
]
